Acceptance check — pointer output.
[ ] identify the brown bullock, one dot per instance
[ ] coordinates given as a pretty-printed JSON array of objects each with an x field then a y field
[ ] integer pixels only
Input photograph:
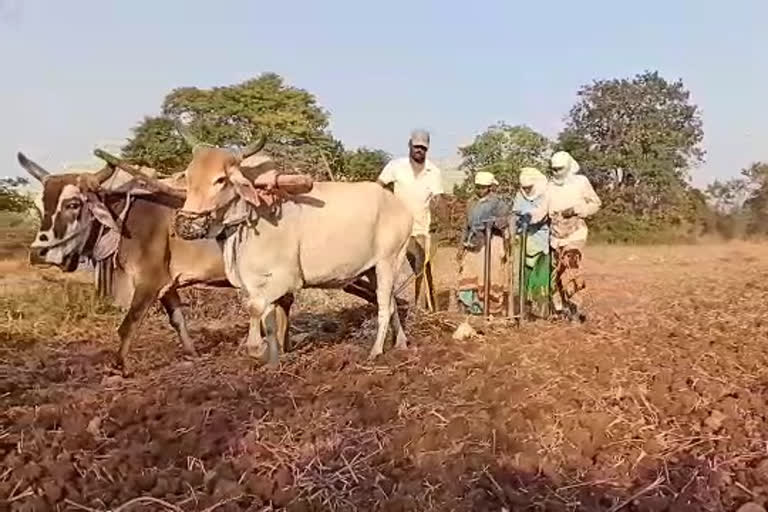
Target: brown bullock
[{"x": 84, "y": 216}]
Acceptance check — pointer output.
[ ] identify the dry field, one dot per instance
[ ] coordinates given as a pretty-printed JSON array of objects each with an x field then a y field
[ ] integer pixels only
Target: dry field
[{"x": 658, "y": 403}]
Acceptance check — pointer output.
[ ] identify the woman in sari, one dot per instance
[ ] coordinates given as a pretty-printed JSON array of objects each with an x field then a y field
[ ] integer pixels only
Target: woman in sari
[
  {"x": 490, "y": 209},
  {"x": 571, "y": 200},
  {"x": 531, "y": 209}
]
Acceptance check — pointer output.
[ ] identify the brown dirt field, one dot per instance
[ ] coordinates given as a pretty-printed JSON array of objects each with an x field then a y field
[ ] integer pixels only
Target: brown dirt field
[{"x": 657, "y": 403}]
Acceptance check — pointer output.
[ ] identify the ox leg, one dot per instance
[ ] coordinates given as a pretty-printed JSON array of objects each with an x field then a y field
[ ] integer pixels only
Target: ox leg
[
  {"x": 275, "y": 324},
  {"x": 283, "y": 321},
  {"x": 254, "y": 344},
  {"x": 254, "y": 341},
  {"x": 397, "y": 327},
  {"x": 384, "y": 292},
  {"x": 363, "y": 289},
  {"x": 143, "y": 297},
  {"x": 172, "y": 305},
  {"x": 401, "y": 341}
]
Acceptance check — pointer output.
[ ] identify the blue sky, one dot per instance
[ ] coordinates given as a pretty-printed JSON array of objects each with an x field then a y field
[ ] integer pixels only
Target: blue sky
[{"x": 79, "y": 73}]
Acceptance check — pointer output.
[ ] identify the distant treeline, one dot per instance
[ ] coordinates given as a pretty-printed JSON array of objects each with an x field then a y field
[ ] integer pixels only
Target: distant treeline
[{"x": 635, "y": 138}]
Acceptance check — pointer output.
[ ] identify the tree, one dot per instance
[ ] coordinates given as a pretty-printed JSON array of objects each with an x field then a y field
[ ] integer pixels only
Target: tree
[
  {"x": 364, "y": 164},
  {"x": 727, "y": 196},
  {"x": 503, "y": 149},
  {"x": 640, "y": 131},
  {"x": 230, "y": 116},
  {"x": 755, "y": 179},
  {"x": 11, "y": 200},
  {"x": 636, "y": 139},
  {"x": 156, "y": 144}
]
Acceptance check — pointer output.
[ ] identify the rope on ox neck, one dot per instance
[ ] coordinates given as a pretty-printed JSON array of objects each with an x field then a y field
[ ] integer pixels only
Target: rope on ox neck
[
  {"x": 105, "y": 266},
  {"x": 120, "y": 221},
  {"x": 251, "y": 215}
]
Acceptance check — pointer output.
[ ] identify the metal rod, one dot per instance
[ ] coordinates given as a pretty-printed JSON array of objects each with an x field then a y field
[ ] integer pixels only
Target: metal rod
[
  {"x": 521, "y": 278},
  {"x": 487, "y": 272},
  {"x": 511, "y": 267}
]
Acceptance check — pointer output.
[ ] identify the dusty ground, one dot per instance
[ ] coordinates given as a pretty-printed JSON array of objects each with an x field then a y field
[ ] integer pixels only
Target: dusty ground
[{"x": 658, "y": 403}]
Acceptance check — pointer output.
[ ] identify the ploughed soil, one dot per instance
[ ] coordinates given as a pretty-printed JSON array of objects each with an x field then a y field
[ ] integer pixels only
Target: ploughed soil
[{"x": 657, "y": 403}]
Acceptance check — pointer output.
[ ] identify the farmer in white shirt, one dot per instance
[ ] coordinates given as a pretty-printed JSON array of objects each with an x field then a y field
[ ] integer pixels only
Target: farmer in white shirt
[{"x": 416, "y": 181}]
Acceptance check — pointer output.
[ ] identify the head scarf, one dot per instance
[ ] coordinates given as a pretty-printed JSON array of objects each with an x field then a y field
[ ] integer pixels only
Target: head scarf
[
  {"x": 532, "y": 177},
  {"x": 564, "y": 166}
]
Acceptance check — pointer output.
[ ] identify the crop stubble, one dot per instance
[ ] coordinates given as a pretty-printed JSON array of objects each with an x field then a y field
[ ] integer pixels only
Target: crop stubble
[{"x": 658, "y": 403}]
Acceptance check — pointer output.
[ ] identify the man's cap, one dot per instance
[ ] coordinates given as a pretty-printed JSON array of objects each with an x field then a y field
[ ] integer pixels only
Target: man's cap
[
  {"x": 420, "y": 138},
  {"x": 485, "y": 179}
]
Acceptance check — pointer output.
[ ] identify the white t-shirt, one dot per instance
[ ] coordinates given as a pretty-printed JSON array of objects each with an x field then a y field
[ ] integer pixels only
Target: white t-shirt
[{"x": 416, "y": 191}]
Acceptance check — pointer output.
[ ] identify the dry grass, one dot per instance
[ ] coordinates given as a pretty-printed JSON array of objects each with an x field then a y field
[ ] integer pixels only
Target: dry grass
[
  {"x": 49, "y": 310},
  {"x": 657, "y": 404}
]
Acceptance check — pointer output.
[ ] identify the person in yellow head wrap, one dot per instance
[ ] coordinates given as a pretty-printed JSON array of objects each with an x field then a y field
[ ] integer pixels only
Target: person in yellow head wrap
[{"x": 490, "y": 208}]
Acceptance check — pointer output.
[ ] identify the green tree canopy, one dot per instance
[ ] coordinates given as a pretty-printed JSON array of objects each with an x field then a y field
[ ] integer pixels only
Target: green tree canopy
[
  {"x": 642, "y": 130},
  {"x": 231, "y": 116},
  {"x": 364, "y": 164},
  {"x": 503, "y": 149},
  {"x": 637, "y": 139}
]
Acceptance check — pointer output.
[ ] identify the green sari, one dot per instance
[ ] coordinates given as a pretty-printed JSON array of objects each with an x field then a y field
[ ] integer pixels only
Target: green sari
[{"x": 536, "y": 276}]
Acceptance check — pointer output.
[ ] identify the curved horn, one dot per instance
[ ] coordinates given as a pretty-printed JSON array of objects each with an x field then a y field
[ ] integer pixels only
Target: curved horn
[
  {"x": 31, "y": 167},
  {"x": 145, "y": 180},
  {"x": 254, "y": 147},
  {"x": 105, "y": 173},
  {"x": 111, "y": 159},
  {"x": 186, "y": 135}
]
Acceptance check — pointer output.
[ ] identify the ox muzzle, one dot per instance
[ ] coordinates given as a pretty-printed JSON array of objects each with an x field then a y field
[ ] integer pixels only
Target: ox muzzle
[
  {"x": 69, "y": 263},
  {"x": 192, "y": 225}
]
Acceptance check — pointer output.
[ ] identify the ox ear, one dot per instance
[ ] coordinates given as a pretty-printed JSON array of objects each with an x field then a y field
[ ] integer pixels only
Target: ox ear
[
  {"x": 101, "y": 213},
  {"x": 243, "y": 186}
]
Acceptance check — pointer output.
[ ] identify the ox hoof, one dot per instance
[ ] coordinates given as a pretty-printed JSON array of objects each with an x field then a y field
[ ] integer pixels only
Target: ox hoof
[
  {"x": 258, "y": 352},
  {"x": 402, "y": 346},
  {"x": 191, "y": 356},
  {"x": 373, "y": 355},
  {"x": 121, "y": 366},
  {"x": 126, "y": 370}
]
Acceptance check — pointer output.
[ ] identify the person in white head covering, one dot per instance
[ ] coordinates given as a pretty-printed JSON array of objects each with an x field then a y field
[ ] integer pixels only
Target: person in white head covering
[
  {"x": 571, "y": 200},
  {"x": 531, "y": 208},
  {"x": 490, "y": 208}
]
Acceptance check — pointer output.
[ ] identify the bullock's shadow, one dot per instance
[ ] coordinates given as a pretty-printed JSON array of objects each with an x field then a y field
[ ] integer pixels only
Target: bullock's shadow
[{"x": 310, "y": 328}]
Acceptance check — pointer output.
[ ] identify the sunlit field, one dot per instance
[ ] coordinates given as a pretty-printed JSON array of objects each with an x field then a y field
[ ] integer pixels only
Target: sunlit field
[{"x": 657, "y": 403}]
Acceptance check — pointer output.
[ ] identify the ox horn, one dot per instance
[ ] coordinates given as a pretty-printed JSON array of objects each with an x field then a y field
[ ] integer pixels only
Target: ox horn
[
  {"x": 105, "y": 173},
  {"x": 254, "y": 147},
  {"x": 31, "y": 167},
  {"x": 149, "y": 181}
]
